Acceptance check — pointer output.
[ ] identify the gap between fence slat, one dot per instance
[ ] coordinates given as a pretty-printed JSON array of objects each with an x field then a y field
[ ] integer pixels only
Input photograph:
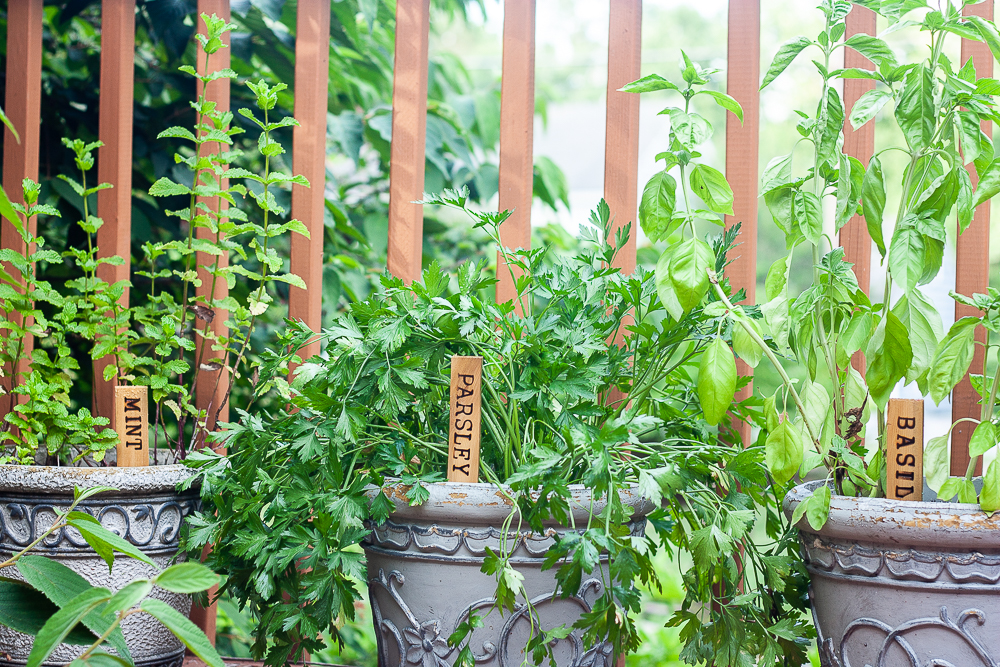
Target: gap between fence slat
[
  {"x": 312, "y": 65},
  {"x": 972, "y": 270},
  {"x": 409, "y": 135},
  {"x": 23, "y": 105},
  {"x": 860, "y": 143},
  {"x": 517, "y": 118},
  {"x": 742, "y": 83},
  {"x": 114, "y": 165}
]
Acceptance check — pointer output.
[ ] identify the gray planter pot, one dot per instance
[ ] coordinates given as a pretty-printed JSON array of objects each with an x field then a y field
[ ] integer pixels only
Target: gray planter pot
[
  {"x": 146, "y": 510},
  {"x": 424, "y": 578},
  {"x": 897, "y": 584}
]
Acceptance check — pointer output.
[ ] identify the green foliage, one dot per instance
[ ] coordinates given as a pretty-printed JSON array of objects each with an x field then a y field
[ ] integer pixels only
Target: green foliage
[
  {"x": 240, "y": 244},
  {"x": 463, "y": 124},
  {"x": 373, "y": 412},
  {"x": 88, "y": 308},
  {"x": 56, "y": 605},
  {"x": 939, "y": 110}
]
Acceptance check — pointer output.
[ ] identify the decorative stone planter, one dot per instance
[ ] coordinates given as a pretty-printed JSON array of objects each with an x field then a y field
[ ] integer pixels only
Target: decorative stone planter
[
  {"x": 146, "y": 510},
  {"x": 898, "y": 583},
  {"x": 424, "y": 578}
]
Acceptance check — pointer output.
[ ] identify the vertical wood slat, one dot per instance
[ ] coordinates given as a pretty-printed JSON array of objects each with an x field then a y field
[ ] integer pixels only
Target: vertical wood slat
[
  {"x": 742, "y": 82},
  {"x": 860, "y": 143},
  {"x": 621, "y": 144},
  {"x": 210, "y": 388},
  {"x": 972, "y": 271},
  {"x": 312, "y": 64},
  {"x": 409, "y": 134},
  {"x": 517, "y": 117},
  {"x": 114, "y": 163},
  {"x": 23, "y": 104}
]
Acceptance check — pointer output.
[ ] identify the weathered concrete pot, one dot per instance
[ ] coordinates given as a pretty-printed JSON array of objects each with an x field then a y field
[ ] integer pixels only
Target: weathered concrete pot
[
  {"x": 897, "y": 583},
  {"x": 146, "y": 510},
  {"x": 424, "y": 578}
]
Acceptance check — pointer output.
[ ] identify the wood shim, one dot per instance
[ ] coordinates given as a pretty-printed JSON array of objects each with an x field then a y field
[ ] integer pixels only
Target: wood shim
[
  {"x": 132, "y": 425},
  {"x": 905, "y": 449},
  {"x": 465, "y": 426}
]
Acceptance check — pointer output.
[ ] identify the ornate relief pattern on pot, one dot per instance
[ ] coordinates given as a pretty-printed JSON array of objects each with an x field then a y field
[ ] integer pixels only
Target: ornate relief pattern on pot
[
  {"x": 425, "y": 642},
  {"x": 899, "y": 637},
  {"x": 435, "y": 542},
  {"x": 151, "y": 524},
  {"x": 844, "y": 560}
]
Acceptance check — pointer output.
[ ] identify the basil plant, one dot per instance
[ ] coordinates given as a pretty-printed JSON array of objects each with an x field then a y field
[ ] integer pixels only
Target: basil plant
[{"x": 939, "y": 107}]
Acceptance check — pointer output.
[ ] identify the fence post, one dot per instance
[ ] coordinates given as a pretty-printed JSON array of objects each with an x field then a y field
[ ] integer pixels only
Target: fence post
[
  {"x": 211, "y": 389},
  {"x": 409, "y": 135},
  {"x": 23, "y": 104},
  {"x": 621, "y": 143},
  {"x": 517, "y": 118},
  {"x": 860, "y": 144},
  {"x": 312, "y": 65},
  {"x": 972, "y": 270},
  {"x": 206, "y": 392},
  {"x": 742, "y": 83},
  {"x": 114, "y": 164}
]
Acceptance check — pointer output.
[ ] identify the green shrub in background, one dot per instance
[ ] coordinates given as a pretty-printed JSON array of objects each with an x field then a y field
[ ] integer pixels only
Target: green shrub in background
[{"x": 463, "y": 130}]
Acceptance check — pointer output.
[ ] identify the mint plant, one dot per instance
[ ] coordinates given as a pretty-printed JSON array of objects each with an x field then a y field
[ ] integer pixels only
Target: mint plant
[
  {"x": 171, "y": 348},
  {"x": 158, "y": 342},
  {"x": 40, "y": 418}
]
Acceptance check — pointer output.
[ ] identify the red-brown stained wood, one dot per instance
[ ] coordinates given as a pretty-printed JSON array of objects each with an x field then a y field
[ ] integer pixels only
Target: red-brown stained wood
[
  {"x": 409, "y": 134},
  {"x": 860, "y": 143},
  {"x": 517, "y": 117},
  {"x": 972, "y": 271},
  {"x": 211, "y": 388},
  {"x": 621, "y": 145},
  {"x": 22, "y": 104},
  {"x": 131, "y": 422},
  {"x": 742, "y": 83},
  {"x": 114, "y": 162},
  {"x": 312, "y": 64}
]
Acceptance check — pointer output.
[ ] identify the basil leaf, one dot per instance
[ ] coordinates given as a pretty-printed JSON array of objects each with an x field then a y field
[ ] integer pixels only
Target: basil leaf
[
  {"x": 783, "y": 451},
  {"x": 952, "y": 358},
  {"x": 783, "y": 58},
  {"x": 937, "y": 463},
  {"x": 716, "y": 380}
]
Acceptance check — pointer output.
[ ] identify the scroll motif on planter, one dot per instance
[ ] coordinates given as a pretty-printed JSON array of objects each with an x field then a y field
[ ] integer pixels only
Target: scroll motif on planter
[
  {"x": 902, "y": 636},
  {"x": 424, "y": 642},
  {"x": 451, "y": 541},
  {"x": 151, "y": 525},
  {"x": 855, "y": 560}
]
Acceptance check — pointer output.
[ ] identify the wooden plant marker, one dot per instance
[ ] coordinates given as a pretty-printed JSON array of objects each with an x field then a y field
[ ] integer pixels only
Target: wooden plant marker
[
  {"x": 465, "y": 426},
  {"x": 905, "y": 449},
  {"x": 132, "y": 425}
]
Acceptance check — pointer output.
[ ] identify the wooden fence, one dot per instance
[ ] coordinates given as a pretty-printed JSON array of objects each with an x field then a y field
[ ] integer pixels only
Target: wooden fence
[{"x": 23, "y": 100}]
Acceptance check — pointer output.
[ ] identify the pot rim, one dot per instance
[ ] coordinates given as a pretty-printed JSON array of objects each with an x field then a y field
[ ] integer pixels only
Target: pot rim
[
  {"x": 484, "y": 502},
  {"x": 61, "y": 480},
  {"x": 935, "y": 525}
]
